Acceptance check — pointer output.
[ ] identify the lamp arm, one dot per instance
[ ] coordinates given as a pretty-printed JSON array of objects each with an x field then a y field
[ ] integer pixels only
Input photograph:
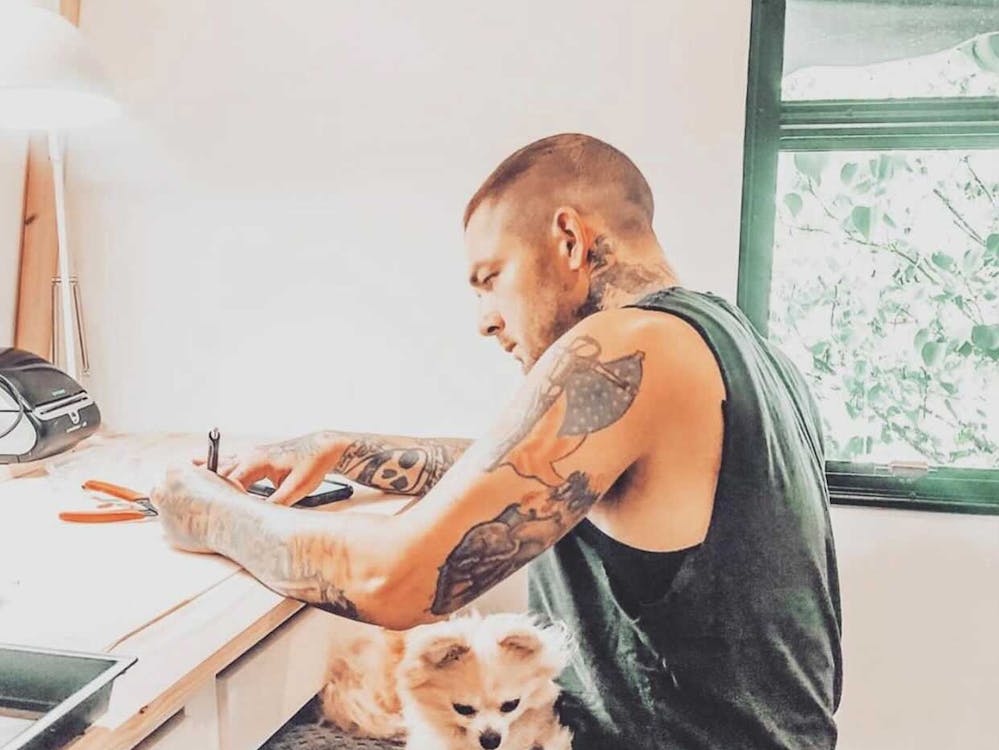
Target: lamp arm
[{"x": 56, "y": 151}]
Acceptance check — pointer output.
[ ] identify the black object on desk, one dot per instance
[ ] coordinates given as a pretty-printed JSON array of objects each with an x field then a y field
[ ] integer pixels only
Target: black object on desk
[
  {"x": 213, "y": 450},
  {"x": 43, "y": 411},
  {"x": 328, "y": 492},
  {"x": 47, "y": 697}
]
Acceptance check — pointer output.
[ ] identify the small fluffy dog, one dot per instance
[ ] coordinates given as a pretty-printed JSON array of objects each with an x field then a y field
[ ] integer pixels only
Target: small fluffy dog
[{"x": 465, "y": 684}]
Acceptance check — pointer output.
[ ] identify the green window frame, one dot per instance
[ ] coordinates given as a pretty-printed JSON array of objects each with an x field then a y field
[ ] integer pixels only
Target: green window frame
[{"x": 772, "y": 126}]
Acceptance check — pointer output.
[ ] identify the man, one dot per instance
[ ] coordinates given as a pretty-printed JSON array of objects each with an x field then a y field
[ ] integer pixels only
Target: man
[{"x": 661, "y": 467}]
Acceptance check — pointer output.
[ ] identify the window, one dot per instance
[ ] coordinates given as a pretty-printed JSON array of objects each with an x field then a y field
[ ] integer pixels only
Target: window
[{"x": 870, "y": 236}]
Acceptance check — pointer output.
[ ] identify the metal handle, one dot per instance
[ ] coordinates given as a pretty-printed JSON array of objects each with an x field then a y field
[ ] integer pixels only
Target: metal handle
[
  {"x": 84, "y": 356},
  {"x": 57, "y": 324},
  {"x": 55, "y": 351}
]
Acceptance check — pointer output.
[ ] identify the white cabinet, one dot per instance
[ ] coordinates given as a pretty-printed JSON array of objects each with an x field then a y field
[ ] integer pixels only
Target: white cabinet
[
  {"x": 194, "y": 726},
  {"x": 264, "y": 688}
]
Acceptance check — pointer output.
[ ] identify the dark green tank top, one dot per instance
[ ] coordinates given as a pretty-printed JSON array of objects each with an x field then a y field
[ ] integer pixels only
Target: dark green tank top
[{"x": 742, "y": 647}]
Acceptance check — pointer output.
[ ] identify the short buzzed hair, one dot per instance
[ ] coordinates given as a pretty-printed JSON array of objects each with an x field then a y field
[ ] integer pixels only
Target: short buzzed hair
[{"x": 573, "y": 161}]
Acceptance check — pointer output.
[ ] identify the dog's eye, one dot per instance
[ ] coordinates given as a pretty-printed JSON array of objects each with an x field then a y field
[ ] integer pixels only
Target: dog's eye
[
  {"x": 510, "y": 705},
  {"x": 463, "y": 709}
]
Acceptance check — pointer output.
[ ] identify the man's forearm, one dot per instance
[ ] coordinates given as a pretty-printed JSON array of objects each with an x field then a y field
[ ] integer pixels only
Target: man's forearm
[
  {"x": 404, "y": 465},
  {"x": 322, "y": 559}
]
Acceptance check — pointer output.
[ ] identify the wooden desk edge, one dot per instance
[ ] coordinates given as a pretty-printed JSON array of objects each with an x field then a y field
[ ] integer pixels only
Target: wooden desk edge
[
  {"x": 182, "y": 649},
  {"x": 209, "y": 633},
  {"x": 162, "y": 680}
]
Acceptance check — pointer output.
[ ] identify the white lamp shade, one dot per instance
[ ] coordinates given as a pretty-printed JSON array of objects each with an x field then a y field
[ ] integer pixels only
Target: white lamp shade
[{"x": 48, "y": 78}]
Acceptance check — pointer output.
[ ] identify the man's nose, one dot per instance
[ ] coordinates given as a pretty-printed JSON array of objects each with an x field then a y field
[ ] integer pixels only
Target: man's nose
[
  {"x": 489, "y": 739},
  {"x": 490, "y": 323}
]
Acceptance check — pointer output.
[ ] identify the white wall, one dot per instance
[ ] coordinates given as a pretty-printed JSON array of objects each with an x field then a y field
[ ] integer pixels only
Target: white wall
[
  {"x": 921, "y": 615},
  {"x": 271, "y": 238},
  {"x": 270, "y": 241}
]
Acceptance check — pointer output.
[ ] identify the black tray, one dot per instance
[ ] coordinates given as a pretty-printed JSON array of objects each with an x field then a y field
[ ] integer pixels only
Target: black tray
[{"x": 48, "y": 697}]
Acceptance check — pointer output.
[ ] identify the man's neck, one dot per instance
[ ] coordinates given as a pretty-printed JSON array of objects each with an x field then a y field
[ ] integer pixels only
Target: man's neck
[{"x": 621, "y": 276}]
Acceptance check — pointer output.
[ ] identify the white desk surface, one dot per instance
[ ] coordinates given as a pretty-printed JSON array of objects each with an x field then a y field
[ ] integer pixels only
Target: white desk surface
[{"x": 121, "y": 588}]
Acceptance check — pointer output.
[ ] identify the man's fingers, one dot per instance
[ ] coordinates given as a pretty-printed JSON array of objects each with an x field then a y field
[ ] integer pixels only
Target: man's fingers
[
  {"x": 292, "y": 489},
  {"x": 227, "y": 466},
  {"x": 247, "y": 474}
]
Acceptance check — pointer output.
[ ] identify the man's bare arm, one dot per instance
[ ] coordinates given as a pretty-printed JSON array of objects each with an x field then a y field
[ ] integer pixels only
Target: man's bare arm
[
  {"x": 578, "y": 424},
  {"x": 402, "y": 465},
  {"x": 581, "y": 420},
  {"x": 561, "y": 445},
  {"x": 320, "y": 558},
  {"x": 405, "y": 465},
  {"x": 568, "y": 437}
]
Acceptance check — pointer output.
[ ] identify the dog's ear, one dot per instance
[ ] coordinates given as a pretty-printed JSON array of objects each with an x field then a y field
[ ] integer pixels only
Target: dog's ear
[
  {"x": 444, "y": 651},
  {"x": 521, "y": 643}
]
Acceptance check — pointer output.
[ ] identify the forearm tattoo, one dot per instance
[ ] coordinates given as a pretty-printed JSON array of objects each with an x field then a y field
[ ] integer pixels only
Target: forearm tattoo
[
  {"x": 305, "y": 567},
  {"x": 300, "y": 448},
  {"x": 582, "y": 395},
  {"x": 408, "y": 469}
]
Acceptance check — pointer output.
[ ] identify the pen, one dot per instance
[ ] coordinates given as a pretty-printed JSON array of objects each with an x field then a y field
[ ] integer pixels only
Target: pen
[{"x": 213, "y": 450}]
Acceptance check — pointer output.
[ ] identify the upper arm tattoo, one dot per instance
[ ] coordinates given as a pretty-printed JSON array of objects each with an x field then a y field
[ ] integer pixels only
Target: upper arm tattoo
[
  {"x": 492, "y": 550},
  {"x": 581, "y": 395},
  {"x": 408, "y": 470}
]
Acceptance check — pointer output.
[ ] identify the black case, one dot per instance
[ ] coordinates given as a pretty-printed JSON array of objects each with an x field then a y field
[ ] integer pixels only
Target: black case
[{"x": 57, "y": 408}]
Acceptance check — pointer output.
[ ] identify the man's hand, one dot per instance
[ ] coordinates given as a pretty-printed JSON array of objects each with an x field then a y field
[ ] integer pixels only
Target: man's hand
[
  {"x": 184, "y": 501},
  {"x": 295, "y": 467}
]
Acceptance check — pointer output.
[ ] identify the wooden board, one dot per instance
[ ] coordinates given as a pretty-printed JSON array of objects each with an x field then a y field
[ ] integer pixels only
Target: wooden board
[
  {"x": 39, "y": 254},
  {"x": 70, "y": 10},
  {"x": 39, "y": 241}
]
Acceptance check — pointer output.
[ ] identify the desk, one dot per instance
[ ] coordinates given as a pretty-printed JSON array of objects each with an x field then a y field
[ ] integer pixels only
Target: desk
[{"x": 223, "y": 661}]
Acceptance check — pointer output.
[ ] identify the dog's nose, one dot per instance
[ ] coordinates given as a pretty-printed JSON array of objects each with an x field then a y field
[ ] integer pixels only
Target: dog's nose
[{"x": 490, "y": 740}]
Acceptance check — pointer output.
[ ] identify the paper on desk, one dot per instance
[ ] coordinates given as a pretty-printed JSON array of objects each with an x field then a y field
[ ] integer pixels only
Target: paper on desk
[{"x": 86, "y": 586}]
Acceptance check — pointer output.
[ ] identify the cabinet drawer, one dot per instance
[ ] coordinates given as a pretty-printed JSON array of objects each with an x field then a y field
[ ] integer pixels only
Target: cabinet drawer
[{"x": 264, "y": 688}]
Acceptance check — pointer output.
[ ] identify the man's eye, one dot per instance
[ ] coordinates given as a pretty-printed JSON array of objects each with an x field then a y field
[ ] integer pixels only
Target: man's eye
[
  {"x": 510, "y": 705},
  {"x": 489, "y": 278},
  {"x": 463, "y": 709}
]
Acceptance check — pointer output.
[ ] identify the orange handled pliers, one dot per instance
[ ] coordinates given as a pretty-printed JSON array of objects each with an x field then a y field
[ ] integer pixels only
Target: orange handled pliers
[{"x": 143, "y": 508}]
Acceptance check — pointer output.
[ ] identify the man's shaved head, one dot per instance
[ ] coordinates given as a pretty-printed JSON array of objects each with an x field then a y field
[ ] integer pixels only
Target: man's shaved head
[
  {"x": 560, "y": 230},
  {"x": 576, "y": 169}
]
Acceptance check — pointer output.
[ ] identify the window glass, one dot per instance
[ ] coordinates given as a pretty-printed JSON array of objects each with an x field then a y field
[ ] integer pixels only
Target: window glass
[
  {"x": 896, "y": 49},
  {"x": 884, "y": 292}
]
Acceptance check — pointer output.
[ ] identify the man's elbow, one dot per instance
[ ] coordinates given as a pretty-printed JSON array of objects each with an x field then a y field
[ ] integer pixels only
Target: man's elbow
[
  {"x": 395, "y": 603},
  {"x": 401, "y": 620}
]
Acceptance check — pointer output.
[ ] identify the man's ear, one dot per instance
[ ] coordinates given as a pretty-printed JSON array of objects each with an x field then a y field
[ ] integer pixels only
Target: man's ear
[{"x": 572, "y": 236}]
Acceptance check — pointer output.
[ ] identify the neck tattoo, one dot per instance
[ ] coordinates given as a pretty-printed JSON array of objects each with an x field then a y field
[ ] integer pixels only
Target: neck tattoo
[{"x": 615, "y": 281}]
